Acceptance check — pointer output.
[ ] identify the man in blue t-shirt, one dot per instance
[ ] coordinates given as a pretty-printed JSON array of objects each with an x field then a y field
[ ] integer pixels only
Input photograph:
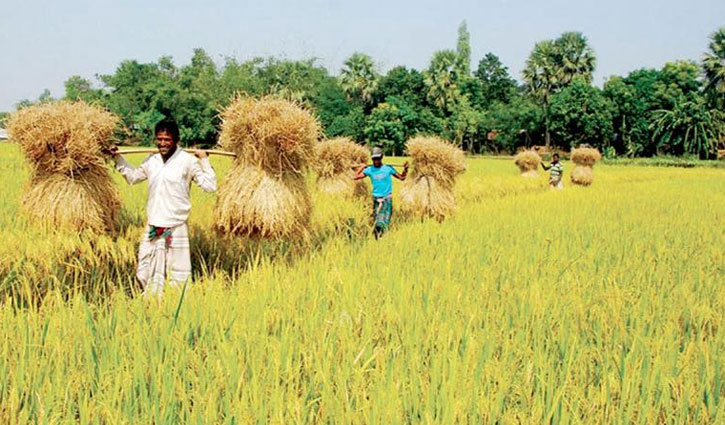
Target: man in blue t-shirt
[{"x": 381, "y": 177}]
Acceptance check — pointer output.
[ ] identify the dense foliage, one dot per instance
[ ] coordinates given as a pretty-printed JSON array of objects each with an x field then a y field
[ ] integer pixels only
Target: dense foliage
[{"x": 674, "y": 110}]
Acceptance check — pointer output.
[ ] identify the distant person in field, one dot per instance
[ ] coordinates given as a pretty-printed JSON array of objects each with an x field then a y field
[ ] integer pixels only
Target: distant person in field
[
  {"x": 164, "y": 251},
  {"x": 556, "y": 173},
  {"x": 381, "y": 178}
]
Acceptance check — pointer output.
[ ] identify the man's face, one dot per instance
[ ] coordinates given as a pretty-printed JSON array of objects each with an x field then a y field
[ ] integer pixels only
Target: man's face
[
  {"x": 165, "y": 143},
  {"x": 377, "y": 162},
  {"x": 556, "y": 158}
]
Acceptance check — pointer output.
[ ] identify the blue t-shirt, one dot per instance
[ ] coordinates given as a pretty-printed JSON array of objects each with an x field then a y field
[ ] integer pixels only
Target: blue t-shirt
[{"x": 382, "y": 180}]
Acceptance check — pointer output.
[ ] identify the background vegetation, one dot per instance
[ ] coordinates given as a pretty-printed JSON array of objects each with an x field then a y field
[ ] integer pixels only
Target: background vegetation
[{"x": 675, "y": 110}]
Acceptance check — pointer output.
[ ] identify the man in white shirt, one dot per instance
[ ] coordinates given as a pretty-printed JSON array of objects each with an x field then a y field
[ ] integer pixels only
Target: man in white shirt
[{"x": 164, "y": 251}]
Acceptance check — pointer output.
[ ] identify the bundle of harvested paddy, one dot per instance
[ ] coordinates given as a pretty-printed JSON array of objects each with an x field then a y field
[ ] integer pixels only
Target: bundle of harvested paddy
[
  {"x": 253, "y": 202},
  {"x": 585, "y": 156},
  {"x": 87, "y": 200},
  {"x": 528, "y": 162},
  {"x": 437, "y": 158},
  {"x": 265, "y": 194},
  {"x": 334, "y": 162},
  {"x": 274, "y": 134},
  {"x": 584, "y": 159},
  {"x": 64, "y": 143},
  {"x": 582, "y": 175},
  {"x": 425, "y": 197},
  {"x": 428, "y": 191},
  {"x": 63, "y": 137}
]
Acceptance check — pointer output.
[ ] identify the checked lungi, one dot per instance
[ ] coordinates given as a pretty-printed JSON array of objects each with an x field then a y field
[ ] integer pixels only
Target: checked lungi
[
  {"x": 382, "y": 211},
  {"x": 164, "y": 258}
]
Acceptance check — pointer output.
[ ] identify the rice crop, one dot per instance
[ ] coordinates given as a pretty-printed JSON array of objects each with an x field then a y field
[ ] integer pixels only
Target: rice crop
[{"x": 597, "y": 305}]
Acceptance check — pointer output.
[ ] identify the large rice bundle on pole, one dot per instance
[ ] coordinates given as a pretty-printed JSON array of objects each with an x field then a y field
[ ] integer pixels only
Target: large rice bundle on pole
[
  {"x": 584, "y": 159},
  {"x": 528, "y": 162},
  {"x": 335, "y": 162},
  {"x": 64, "y": 143},
  {"x": 428, "y": 191},
  {"x": 265, "y": 195}
]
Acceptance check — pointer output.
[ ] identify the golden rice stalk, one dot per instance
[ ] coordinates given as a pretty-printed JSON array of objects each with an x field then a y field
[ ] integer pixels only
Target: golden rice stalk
[
  {"x": 585, "y": 156},
  {"x": 528, "y": 162},
  {"x": 582, "y": 175},
  {"x": 89, "y": 200},
  {"x": 424, "y": 197},
  {"x": 436, "y": 158},
  {"x": 63, "y": 137},
  {"x": 339, "y": 155},
  {"x": 275, "y": 135},
  {"x": 255, "y": 203}
]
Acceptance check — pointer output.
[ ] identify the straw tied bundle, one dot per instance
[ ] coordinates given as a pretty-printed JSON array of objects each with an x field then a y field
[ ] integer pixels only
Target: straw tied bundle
[
  {"x": 528, "y": 162},
  {"x": 265, "y": 194},
  {"x": 428, "y": 191},
  {"x": 584, "y": 159},
  {"x": 334, "y": 163},
  {"x": 64, "y": 143}
]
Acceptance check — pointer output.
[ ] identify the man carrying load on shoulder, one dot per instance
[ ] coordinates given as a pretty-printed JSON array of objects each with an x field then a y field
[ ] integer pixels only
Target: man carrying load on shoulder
[
  {"x": 381, "y": 177},
  {"x": 556, "y": 174},
  {"x": 164, "y": 250}
]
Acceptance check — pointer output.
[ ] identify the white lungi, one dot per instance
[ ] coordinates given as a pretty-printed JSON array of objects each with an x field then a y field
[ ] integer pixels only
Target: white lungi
[{"x": 162, "y": 262}]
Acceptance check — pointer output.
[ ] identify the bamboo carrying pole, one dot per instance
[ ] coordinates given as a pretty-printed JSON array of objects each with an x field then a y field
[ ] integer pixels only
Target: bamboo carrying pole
[
  {"x": 209, "y": 152},
  {"x": 151, "y": 150},
  {"x": 393, "y": 165}
]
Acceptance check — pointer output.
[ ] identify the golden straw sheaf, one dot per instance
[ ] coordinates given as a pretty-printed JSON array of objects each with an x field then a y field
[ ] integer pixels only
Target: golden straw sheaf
[
  {"x": 335, "y": 162},
  {"x": 63, "y": 137},
  {"x": 584, "y": 160},
  {"x": 528, "y": 162},
  {"x": 254, "y": 203},
  {"x": 274, "y": 134},
  {"x": 265, "y": 194},
  {"x": 65, "y": 143},
  {"x": 428, "y": 191},
  {"x": 88, "y": 200}
]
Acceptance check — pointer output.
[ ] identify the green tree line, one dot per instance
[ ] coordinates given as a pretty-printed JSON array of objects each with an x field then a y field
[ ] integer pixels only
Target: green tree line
[{"x": 674, "y": 110}]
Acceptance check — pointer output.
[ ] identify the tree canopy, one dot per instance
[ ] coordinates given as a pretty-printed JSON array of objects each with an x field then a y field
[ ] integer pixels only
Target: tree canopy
[{"x": 676, "y": 109}]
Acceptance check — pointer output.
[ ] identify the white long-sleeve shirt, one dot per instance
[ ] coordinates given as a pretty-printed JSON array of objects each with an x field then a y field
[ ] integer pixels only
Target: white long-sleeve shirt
[{"x": 169, "y": 183}]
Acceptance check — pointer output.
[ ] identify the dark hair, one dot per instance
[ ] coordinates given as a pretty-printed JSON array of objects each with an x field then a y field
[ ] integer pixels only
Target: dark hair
[
  {"x": 556, "y": 155},
  {"x": 170, "y": 126}
]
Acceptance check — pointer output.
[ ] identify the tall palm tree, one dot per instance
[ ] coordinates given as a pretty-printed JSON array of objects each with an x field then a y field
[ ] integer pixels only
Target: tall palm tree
[
  {"x": 358, "y": 78},
  {"x": 463, "y": 50},
  {"x": 441, "y": 80},
  {"x": 543, "y": 77},
  {"x": 713, "y": 64},
  {"x": 577, "y": 59},
  {"x": 554, "y": 65}
]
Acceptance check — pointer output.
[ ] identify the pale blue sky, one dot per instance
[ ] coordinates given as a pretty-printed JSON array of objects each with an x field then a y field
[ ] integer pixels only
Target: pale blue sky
[{"x": 45, "y": 42}]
